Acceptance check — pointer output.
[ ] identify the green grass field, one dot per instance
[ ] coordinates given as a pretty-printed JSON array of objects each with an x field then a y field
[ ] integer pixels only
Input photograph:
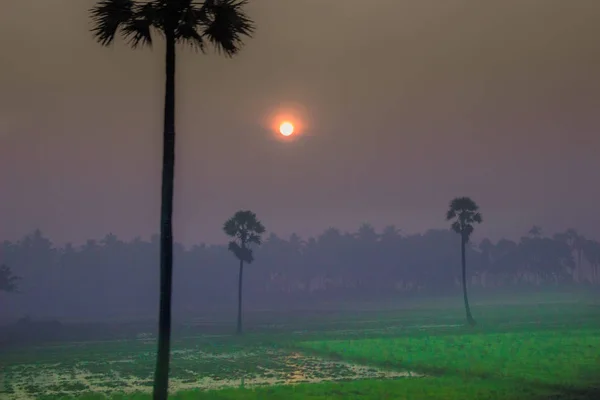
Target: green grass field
[{"x": 530, "y": 351}]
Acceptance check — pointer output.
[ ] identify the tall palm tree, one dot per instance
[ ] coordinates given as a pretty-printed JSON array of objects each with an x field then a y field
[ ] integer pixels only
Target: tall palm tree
[
  {"x": 246, "y": 231},
  {"x": 463, "y": 213},
  {"x": 220, "y": 23}
]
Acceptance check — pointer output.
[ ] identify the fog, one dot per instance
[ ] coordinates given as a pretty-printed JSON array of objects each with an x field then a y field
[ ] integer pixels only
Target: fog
[{"x": 114, "y": 281}]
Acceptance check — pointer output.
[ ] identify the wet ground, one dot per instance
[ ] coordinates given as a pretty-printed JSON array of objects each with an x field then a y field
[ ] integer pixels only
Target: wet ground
[{"x": 191, "y": 369}]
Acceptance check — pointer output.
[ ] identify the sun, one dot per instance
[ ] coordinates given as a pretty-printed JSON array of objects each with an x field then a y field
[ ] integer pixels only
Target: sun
[
  {"x": 286, "y": 128},
  {"x": 286, "y": 123}
]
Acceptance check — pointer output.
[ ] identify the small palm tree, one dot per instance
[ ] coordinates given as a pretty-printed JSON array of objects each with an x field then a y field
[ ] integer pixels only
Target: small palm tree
[
  {"x": 246, "y": 231},
  {"x": 220, "y": 23},
  {"x": 464, "y": 213}
]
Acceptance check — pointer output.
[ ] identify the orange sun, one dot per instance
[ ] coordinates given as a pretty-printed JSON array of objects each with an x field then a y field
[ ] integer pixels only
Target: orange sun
[
  {"x": 287, "y": 123},
  {"x": 286, "y": 128}
]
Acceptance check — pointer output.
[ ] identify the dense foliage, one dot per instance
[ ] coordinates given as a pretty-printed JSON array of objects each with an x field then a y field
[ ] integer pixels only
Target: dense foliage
[{"x": 111, "y": 278}]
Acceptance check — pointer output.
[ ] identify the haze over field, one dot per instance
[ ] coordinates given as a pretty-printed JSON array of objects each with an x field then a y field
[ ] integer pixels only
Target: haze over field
[
  {"x": 350, "y": 199},
  {"x": 405, "y": 105},
  {"x": 116, "y": 280}
]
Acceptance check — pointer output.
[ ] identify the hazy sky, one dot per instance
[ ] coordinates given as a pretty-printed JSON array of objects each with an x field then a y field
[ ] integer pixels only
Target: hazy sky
[{"x": 406, "y": 104}]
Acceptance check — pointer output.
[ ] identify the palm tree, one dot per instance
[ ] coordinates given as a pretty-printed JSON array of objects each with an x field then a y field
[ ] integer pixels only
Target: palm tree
[
  {"x": 246, "y": 230},
  {"x": 464, "y": 213},
  {"x": 220, "y": 23}
]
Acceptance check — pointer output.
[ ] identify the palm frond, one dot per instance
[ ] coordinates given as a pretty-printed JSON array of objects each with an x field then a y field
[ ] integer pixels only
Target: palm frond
[
  {"x": 225, "y": 24},
  {"x": 256, "y": 226},
  {"x": 187, "y": 30},
  {"x": 456, "y": 227},
  {"x": 463, "y": 204},
  {"x": 108, "y": 16},
  {"x": 241, "y": 253},
  {"x": 464, "y": 212},
  {"x": 467, "y": 231},
  {"x": 246, "y": 229},
  {"x": 254, "y": 238},
  {"x": 234, "y": 247},
  {"x": 230, "y": 227},
  {"x": 137, "y": 30}
]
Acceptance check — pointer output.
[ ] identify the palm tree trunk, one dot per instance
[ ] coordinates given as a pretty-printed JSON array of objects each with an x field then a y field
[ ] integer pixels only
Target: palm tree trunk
[
  {"x": 463, "y": 244},
  {"x": 239, "y": 316},
  {"x": 161, "y": 377}
]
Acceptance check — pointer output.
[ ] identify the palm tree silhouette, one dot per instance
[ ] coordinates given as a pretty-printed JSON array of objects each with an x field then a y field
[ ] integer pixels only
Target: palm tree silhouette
[
  {"x": 246, "y": 230},
  {"x": 464, "y": 213},
  {"x": 220, "y": 23}
]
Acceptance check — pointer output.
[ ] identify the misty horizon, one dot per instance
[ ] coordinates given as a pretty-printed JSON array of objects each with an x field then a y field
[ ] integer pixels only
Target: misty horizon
[
  {"x": 111, "y": 278},
  {"x": 476, "y": 238}
]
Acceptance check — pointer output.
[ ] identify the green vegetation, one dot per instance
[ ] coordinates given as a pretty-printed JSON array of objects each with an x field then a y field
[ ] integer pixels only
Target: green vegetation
[
  {"x": 535, "y": 351},
  {"x": 568, "y": 357}
]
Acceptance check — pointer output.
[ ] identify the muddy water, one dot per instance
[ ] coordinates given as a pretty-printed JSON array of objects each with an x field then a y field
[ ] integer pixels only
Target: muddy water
[{"x": 260, "y": 368}]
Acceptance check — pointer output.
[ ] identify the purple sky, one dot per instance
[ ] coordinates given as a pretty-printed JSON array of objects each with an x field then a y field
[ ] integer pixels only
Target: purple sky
[{"x": 407, "y": 104}]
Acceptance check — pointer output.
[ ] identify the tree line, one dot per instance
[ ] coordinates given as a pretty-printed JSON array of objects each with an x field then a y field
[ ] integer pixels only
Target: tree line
[{"x": 114, "y": 278}]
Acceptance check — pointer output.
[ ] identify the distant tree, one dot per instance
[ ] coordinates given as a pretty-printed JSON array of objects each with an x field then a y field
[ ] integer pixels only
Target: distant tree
[
  {"x": 535, "y": 231},
  {"x": 8, "y": 281},
  {"x": 328, "y": 253},
  {"x": 366, "y": 233},
  {"x": 390, "y": 240},
  {"x": 390, "y": 234},
  {"x": 246, "y": 231},
  {"x": 365, "y": 250},
  {"x": 505, "y": 260},
  {"x": 576, "y": 243},
  {"x": 591, "y": 250},
  {"x": 551, "y": 260},
  {"x": 220, "y": 23},
  {"x": 463, "y": 213},
  {"x": 295, "y": 244},
  {"x": 486, "y": 247}
]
